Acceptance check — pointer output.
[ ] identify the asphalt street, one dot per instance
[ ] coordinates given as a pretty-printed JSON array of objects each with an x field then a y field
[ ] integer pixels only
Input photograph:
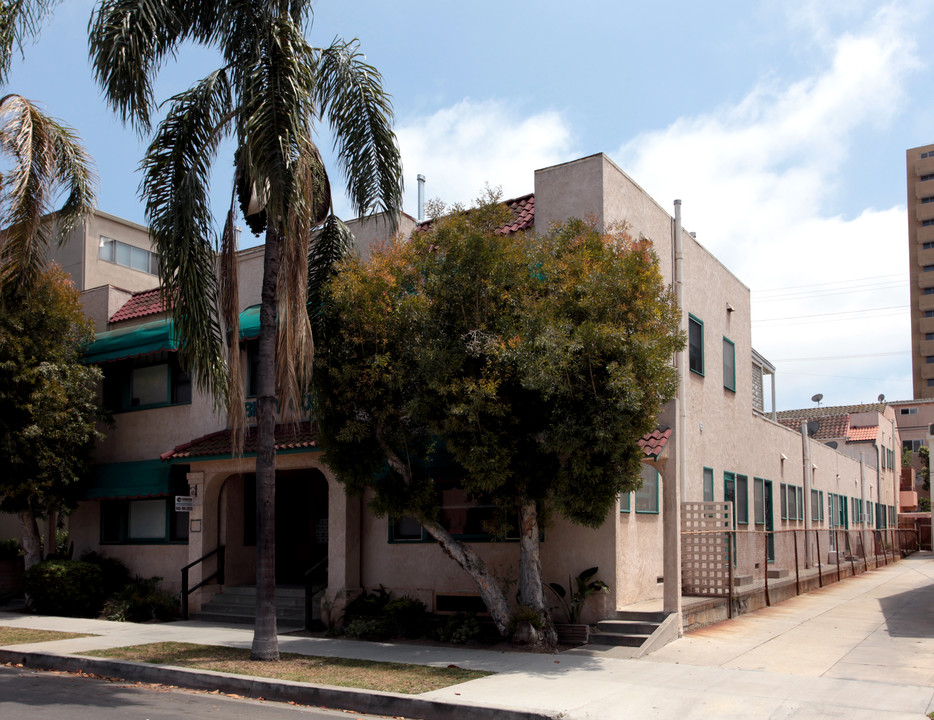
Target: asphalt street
[{"x": 32, "y": 695}]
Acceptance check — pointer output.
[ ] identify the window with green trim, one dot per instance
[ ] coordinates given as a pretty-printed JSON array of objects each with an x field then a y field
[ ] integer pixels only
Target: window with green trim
[
  {"x": 708, "y": 484},
  {"x": 646, "y": 497},
  {"x": 142, "y": 522},
  {"x": 729, "y": 365},
  {"x": 149, "y": 381},
  {"x": 695, "y": 345},
  {"x": 466, "y": 517},
  {"x": 800, "y": 495},
  {"x": 742, "y": 499},
  {"x": 624, "y": 502},
  {"x": 783, "y": 501},
  {"x": 758, "y": 500},
  {"x": 729, "y": 490},
  {"x": 815, "y": 505}
]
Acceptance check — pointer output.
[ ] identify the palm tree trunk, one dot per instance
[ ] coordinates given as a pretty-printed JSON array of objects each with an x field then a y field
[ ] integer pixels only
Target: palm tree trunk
[
  {"x": 265, "y": 642},
  {"x": 531, "y": 589}
]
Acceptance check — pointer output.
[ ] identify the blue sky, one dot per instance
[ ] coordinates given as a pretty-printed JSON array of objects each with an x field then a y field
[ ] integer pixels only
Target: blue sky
[{"x": 781, "y": 125}]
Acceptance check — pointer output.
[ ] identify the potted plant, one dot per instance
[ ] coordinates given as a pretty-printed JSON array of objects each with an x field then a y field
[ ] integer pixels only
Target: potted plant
[{"x": 572, "y": 603}]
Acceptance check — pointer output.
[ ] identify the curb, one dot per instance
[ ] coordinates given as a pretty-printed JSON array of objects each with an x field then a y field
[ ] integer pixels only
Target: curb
[{"x": 363, "y": 701}]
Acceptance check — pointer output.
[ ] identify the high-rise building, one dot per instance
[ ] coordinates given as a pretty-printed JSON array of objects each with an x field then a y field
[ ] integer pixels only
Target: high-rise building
[{"x": 919, "y": 162}]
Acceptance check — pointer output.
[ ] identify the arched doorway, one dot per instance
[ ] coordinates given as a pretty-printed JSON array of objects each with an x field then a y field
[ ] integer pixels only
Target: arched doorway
[{"x": 301, "y": 521}]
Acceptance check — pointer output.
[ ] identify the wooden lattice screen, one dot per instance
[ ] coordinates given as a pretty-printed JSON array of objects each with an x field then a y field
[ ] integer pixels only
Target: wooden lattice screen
[{"x": 704, "y": 548}]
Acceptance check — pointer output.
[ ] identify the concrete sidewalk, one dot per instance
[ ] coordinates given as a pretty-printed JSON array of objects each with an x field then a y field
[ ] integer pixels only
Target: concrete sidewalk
[{"x": 862, "y": 648}]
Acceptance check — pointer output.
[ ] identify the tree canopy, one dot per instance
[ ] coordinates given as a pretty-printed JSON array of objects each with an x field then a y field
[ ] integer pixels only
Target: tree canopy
[
  {"x": 48, "y": 401},
  {"x": 527, "y": 366}
]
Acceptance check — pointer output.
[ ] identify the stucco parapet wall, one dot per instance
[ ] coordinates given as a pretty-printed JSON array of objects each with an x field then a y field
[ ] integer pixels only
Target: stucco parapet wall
[{"x": 686, "y": 235}]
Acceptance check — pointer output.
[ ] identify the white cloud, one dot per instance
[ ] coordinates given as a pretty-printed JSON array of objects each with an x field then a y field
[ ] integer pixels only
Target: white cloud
[
  {"x": 755, "y": 179},
  {"x": 461, "y": 148}
]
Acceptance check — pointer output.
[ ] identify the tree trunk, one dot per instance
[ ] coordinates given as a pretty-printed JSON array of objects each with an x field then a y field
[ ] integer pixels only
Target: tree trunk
[
  {"x": 32, "y": 543},
  {"x": 531, "y": 589},
  {"x": 473, "y": 564},
  {"x": 265, "y": 642}
]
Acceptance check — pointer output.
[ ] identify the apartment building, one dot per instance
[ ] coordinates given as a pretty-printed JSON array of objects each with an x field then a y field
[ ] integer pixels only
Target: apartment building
[
  {"x": 919, "y": 163},
  {"x": 719, "y": 442}
]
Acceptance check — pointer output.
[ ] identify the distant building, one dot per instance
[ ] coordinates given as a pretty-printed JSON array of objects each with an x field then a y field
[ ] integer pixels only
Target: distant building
[
  {"x": 914, "y": 418},
  {"x": 920, "y": 169}
]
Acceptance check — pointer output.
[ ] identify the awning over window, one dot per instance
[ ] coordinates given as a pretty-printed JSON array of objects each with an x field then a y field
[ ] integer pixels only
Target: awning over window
[
  {"x": 140, "y": 479},
  {"x": 131, "y": 342},
  {"x": 249, "y": 323}
]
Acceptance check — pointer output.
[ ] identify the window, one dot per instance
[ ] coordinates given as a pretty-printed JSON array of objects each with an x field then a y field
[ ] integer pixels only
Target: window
[
  {"x": 477, "y": 518},
  {"x": 815, "y": 506},
  {"x": 869, "y": 513},
  {"x": 729, "y": 489},
  {"x": 792, "y": 503},
  {"x": 912, "y": 445},
  {"x": 729, "y": 364},
  {"x": 148, "y": 381},
  {"x": 758, "y": 500},
  {"x": 708, "y": 484},
  {"x": 910, "y": 411},
  {"x": 406, "y": 529},
  {"x": 929, "y": 153},
  {"x": 624, "y": 501},
  {"x": 646, "y": 497},
  {"x": 742, "y": 499},
  {"x": 925, "y": 178},
  {"x": 129, "y": 256},
  {"x": 928, "y": 268},
  {"x": 883, "y": 455},
  {"x": 929, "y": 313},
  {"x": 926, "y": 200},
  {"x": 927, "y": 223},
  {"x": 929, "y": 359},
  {"x": 928, "y": 291},
  {"x": 822, "y": 505},
  {"x": 930, "y": 382},
  {"x": 928, "y": 246},
  {"x": 695, "y": 345},
  {"x": 783, "y": 500},
  {"x": 140, "y": 522},
  {"x": 928, "y": 336}
]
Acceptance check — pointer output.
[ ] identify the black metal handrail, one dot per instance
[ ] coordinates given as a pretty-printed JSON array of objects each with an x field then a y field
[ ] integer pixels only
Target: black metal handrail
[
  {"x": 310, "y": 590},
  {"x": 221, "y": 553}
]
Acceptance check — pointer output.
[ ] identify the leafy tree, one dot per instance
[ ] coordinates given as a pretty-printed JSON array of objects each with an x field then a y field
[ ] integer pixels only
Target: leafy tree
[
  {"x": 925, "y": 471},
  {"x": 48, "y": 401},
  {"x": 526, "y": 367},
  {"x": 268, "y": 92}
]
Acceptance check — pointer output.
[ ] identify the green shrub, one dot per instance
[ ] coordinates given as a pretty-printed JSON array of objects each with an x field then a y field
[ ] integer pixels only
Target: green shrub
[
  {"x": 10, "y": 549},
  {"x": 141, "y": 600},
  {"x": 368, "y": 605},
  {"x": 458, "y": 629},
  {"x": 65, "y": 587},
  {"x": 368, "y": 629},
  {"x": 115, "y": 574},
  {"x": 406, "y": 617}
]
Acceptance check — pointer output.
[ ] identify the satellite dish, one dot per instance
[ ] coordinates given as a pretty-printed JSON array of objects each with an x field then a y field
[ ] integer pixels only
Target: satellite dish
[
  {"x": 832, "y": 444},
  {"x": 817, "y": 398},
  {"x": 881, "y": 397},
  {"x": 813, "y": 427}
]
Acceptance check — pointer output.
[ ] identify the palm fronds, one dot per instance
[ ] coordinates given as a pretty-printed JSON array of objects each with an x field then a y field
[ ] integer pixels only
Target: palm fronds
[{"x": 47, "y": 159}]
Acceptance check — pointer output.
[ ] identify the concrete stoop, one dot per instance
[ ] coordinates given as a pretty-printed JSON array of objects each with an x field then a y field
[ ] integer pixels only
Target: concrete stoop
[
  {"x": 644, "y": 632},
  {"x": 238, "y": 605}
]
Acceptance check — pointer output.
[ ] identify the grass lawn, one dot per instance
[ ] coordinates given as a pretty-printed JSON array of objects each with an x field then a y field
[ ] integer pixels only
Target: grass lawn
[
  {"x": 363, "y": 674},
  {"x": 22, "y": 636}
]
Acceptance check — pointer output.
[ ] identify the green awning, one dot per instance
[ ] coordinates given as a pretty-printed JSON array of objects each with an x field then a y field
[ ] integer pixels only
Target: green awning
[
  {"x": 130, "y": 342},
  {"x": 139, "y": 479},
  {"x": 249, "y": 323}
]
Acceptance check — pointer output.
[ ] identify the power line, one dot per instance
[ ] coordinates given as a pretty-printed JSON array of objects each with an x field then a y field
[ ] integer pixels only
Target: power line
[
  {"x": 843, "y": 357},
  {"x": 831, "y": 314},
  {"x": 834, "y": 282}
]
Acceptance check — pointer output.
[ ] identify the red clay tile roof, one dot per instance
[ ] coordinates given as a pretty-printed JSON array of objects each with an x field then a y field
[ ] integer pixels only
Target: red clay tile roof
[
  {"x": 653, "y": 443},
  {"x": 523, "y": 210},
  {"x": 829, "y": 426},
  {"x": 141, "y": 304},
  {"x": 288, "y": 437},
  {"x": 863, "y": 434},
  {"x": 818, "y": 412}
]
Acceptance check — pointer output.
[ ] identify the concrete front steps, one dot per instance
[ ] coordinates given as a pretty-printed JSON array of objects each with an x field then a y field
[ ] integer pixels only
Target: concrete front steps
[
  {"x": 238, "y": 605},
  {"x": 640, "y": 631}
]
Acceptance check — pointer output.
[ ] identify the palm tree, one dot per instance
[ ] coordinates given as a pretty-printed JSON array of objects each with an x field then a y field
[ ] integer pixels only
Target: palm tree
[
  {"x": 45, "y": 157},
  {"x": 270, "y": 89}
]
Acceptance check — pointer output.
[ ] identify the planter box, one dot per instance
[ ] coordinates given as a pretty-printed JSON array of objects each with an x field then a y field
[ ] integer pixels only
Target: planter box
[
  {"x": 11, "y": 576},
  {"x": 572, "y": 634}
]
